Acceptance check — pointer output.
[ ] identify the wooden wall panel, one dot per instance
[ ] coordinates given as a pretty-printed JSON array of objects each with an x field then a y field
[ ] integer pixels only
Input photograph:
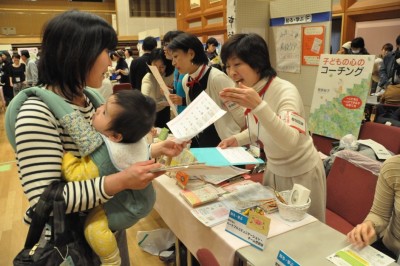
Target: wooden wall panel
[
  {"x": 353, "y": 11},
  {"x": 205, "y": 20},
  {"x": 29, "y": 17}
]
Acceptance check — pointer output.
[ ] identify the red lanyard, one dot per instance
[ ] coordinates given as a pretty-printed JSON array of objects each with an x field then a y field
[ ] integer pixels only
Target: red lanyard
[
  {"x": 261, "y": 93},
  {"x": 191, "y": 83}
]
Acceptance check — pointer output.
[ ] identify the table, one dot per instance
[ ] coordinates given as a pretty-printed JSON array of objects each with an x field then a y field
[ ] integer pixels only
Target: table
[
  {"x": 194, "y": 235},
  {"x": 308, "y": 245}
]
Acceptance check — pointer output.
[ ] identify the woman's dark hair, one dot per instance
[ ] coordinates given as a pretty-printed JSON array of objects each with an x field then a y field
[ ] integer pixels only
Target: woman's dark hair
[
  {"x": 158, "y": 54},
  {"x": 358, "y": 43},
  {"x": 137, "y": 115},
  {"x": 149, "y": 43},
  {"x": 251, "y": 49},
  {"x": 186, "y": 41},
  {"x": 15, "y": 55},
  {"x": 130, "y": 52},
  {"x": 71, "y": 44},
  {"x": 8, "y": 56},
  {"x": 387, "y": 47},
  {"x": 211, "y": 41},
  {"x": 170, "y": 35}
]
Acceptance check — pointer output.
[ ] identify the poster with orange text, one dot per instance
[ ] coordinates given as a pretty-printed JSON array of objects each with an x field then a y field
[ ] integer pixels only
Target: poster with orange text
[{"x": 313, "y": 44}]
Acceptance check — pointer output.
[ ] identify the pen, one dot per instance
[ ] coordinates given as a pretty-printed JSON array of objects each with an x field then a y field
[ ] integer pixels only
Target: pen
[{"x": 279, "y": 197}]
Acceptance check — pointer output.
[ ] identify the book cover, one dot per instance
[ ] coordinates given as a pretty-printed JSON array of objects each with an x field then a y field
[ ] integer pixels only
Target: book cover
[{"x": 200, "y": 196}]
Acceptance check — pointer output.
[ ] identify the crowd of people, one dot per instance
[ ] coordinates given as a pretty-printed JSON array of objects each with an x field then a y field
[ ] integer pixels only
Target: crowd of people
[{"x": 257, "y": 102}]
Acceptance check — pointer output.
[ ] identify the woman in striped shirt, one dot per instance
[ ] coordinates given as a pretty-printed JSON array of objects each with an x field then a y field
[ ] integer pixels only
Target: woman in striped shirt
[{"x": 74, "y": 55}]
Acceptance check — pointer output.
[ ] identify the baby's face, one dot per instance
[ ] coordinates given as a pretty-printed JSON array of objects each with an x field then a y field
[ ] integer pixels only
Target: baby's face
[{"x": 104, "y": 116}]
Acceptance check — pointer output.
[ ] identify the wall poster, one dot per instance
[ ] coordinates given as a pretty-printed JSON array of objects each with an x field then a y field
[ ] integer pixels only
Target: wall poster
[
  {"x": 288, "y": 48},
  {"x": 313, "y": 44}
]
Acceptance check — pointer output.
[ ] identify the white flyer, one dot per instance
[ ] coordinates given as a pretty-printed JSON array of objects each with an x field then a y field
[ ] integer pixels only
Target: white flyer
[
  {"x": 200, "y": 114},
  {"x": 163, "y": 86}
]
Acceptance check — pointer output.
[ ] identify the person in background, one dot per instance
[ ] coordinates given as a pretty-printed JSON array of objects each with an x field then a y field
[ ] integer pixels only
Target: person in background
[
  {"x": 106, "y": 88},
  {"x": 17, "y": 74},
  {"x": 31, "y": 73},
  {"x": 188, "y": 56},
  {"x": 345, "y": 49},
  {"x": 275, "y": 120},
  {"x": 138, "y": 68},
  {"x": 111, "y": 69},
  {"x": 177, "y": 96},
  {"x": 128, "y": 57},
  {"x": 121, "y": 69},
  {"x": 39, "y": 152},
  {"x": 389, "y": 72},
  {"x": 5, "y": 72},
  {"x": 386, "y": 48},
  {"x": 211, "y": 52},
  {"x": 151, "y": 88},
  {"x": 381, "y": 227},
  {"x": 358, "y": 46}
]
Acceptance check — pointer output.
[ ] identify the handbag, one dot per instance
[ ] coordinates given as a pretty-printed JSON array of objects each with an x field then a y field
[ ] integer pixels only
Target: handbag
[{"x": 67, "y": 245}]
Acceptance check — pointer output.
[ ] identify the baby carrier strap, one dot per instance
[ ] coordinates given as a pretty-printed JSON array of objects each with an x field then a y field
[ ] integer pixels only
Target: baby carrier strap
[{"x": 86, "y": 138}]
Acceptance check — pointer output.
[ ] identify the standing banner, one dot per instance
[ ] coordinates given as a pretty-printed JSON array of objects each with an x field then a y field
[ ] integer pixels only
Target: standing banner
[{"x": 341, "y": 90}]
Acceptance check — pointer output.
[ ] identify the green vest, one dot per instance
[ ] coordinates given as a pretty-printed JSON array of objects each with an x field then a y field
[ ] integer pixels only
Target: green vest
[{"x": 126, "y": 207}]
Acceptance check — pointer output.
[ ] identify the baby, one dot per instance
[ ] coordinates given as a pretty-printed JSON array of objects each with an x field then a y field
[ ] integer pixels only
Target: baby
[{"x": 123, "y": 122}]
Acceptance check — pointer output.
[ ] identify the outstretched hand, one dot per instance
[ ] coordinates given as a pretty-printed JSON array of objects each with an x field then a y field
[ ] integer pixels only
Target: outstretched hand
[{"x": 167, "y": 147}]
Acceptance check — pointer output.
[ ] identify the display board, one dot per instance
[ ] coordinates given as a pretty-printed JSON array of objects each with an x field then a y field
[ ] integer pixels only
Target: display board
[
  {"x": 290, "y": 17},
  {"x": 340, "y": 94}
]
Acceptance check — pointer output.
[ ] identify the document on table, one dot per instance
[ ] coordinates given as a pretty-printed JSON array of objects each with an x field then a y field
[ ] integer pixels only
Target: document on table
[
  {"x": 365, "y": 256},
  {"x": 223, "y": 157},
  {"x": 197, "y": 116},
  {"x": 163, "y": 86}
]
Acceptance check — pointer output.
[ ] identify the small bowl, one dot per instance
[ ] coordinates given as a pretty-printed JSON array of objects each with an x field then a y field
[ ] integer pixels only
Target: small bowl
[{"x": 292, "y": 213}]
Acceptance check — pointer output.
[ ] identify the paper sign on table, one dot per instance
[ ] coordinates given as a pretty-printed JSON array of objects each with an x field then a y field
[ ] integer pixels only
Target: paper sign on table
[
  {"x": 243, "y": 227},
  {"x": 365, "y": 256},
  {"x": 284, "y": 260}
]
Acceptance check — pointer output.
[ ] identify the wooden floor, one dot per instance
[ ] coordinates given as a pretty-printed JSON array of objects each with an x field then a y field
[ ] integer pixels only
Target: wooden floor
[{"x": 13, "y": 204}]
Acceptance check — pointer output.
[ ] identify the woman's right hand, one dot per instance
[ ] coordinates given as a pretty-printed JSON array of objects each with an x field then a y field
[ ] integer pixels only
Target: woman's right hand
[
  {"x": 228, "y": 142},
  {"x": 362, "y": 235},
  {"x": 136, "y": 177}
]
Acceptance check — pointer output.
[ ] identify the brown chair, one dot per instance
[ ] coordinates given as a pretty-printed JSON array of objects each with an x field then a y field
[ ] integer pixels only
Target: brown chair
[
  {"x": 322, "y": 143},
  {"x": 122, "y": 86},
  {"x": 206, "y": 257},
  {"x": 388, "y": 136},
  {"x": 350, "y": 193}
]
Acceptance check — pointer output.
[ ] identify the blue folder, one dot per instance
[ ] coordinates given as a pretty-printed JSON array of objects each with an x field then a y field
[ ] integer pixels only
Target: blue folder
[{"x": 212, "y": 157}]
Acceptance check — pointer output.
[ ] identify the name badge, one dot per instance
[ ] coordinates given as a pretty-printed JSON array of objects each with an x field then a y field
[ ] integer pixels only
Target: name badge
[
  {"x": 231, "y": 106},
  {"x": 294, "y": 120}
]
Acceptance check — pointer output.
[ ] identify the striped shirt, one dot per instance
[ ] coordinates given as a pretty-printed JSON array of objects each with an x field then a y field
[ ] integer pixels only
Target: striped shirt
[{"x": 40, "y": 144}]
